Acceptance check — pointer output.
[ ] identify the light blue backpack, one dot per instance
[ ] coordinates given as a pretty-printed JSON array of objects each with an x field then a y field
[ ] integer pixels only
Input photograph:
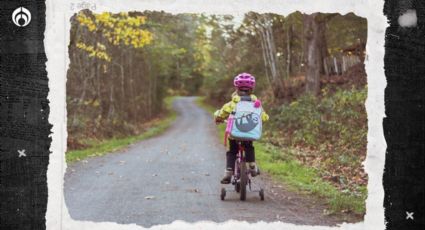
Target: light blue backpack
[{"x": 246, "y": 120}]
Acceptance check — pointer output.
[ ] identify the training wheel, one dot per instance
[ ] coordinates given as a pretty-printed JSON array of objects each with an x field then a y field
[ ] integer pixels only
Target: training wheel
[
  {"x": 261, "y": 193},
  {"x": 223, "y": 193}
]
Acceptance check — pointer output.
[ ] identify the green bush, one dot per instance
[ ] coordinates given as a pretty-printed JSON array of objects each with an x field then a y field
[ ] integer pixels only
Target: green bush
[
  {"x": 338, "y": 120},
  {"x": 329, "y": 132}
]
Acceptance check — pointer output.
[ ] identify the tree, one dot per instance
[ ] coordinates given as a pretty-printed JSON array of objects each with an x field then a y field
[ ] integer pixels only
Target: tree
[
  {"x": 262, "y": 25},
  {"x": 316, "y": 50}
]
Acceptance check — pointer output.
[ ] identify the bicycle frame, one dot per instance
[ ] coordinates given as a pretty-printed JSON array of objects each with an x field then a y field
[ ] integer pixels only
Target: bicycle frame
[{"x": 240, "y": 159}]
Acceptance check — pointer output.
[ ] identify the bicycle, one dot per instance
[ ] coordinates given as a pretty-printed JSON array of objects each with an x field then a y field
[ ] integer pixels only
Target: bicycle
[{"x": 241, "y": 176}]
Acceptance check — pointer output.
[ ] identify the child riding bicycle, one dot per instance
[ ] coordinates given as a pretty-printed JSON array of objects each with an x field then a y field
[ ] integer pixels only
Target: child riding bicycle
[{"x": 244, "y": 84}]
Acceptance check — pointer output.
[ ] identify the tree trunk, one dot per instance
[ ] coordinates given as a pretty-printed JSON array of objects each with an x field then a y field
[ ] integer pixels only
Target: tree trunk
[
  {"x": 266, "y": 68},
  {"x": 315, "y": 45},
  {"x": 288, "y": 50},
  {"x": 264, "y": 29}
]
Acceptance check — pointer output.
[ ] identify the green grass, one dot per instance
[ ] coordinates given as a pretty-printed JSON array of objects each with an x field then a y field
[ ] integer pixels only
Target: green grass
[
  {"x": 280, "y": 164},
  {"x": 99, "y": 148}
]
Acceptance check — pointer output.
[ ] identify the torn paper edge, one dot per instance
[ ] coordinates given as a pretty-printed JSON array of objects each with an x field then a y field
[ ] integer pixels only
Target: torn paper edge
[{"x": 56, "y": 42}]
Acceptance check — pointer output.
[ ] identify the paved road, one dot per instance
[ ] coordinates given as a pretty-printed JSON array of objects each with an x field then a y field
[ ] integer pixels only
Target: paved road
[{"x": 174, "y": 176}]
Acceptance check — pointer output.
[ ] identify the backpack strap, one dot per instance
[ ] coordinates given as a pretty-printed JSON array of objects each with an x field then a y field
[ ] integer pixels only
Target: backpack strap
[{"x": 246, "y": 98}]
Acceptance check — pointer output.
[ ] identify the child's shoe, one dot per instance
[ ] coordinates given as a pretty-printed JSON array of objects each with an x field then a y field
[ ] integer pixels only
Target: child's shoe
[
  {"x": 254, "y": 169},
  {"x": 227, "y": 176}
]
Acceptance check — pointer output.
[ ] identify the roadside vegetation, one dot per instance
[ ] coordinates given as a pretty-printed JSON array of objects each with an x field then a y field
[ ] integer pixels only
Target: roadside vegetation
[
  {"x": 98, "y": 147},
  {"x": 318, "y": 145}
]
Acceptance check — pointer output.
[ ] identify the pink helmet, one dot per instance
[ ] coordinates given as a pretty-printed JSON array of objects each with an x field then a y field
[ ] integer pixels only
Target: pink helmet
[{"x": 244, "y": 80}]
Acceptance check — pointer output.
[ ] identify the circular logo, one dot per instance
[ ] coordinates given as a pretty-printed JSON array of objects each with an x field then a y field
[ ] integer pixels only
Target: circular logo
[
  {"x": 247, "y": 122},
  {"x": 21, "y": 17}
]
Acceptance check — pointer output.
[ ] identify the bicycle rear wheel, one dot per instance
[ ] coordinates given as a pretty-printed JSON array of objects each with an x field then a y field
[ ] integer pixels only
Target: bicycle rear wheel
[{"x": 244, "y": 180}]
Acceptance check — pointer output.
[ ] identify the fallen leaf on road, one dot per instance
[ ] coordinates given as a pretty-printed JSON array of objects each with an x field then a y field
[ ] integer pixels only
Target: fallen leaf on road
[
  {"x": 154, "y": 174},
  {"x": 207, "y": 174},
  {"x": 111, "y": 173},
  {"x": 149, "y": 197},
  {"x": 326, "y": 212},
  {"x": 122, "y": 162},
  {"x": 85, "y": 161},
  {"x": 345, "y": 211}
]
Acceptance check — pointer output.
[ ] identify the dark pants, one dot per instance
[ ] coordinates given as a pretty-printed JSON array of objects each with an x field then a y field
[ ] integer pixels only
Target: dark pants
[{"x": 233, "y": 150}]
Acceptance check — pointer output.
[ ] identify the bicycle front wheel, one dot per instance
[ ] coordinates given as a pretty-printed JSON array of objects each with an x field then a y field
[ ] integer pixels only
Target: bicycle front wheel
[{"x": 244, "y": 180}]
